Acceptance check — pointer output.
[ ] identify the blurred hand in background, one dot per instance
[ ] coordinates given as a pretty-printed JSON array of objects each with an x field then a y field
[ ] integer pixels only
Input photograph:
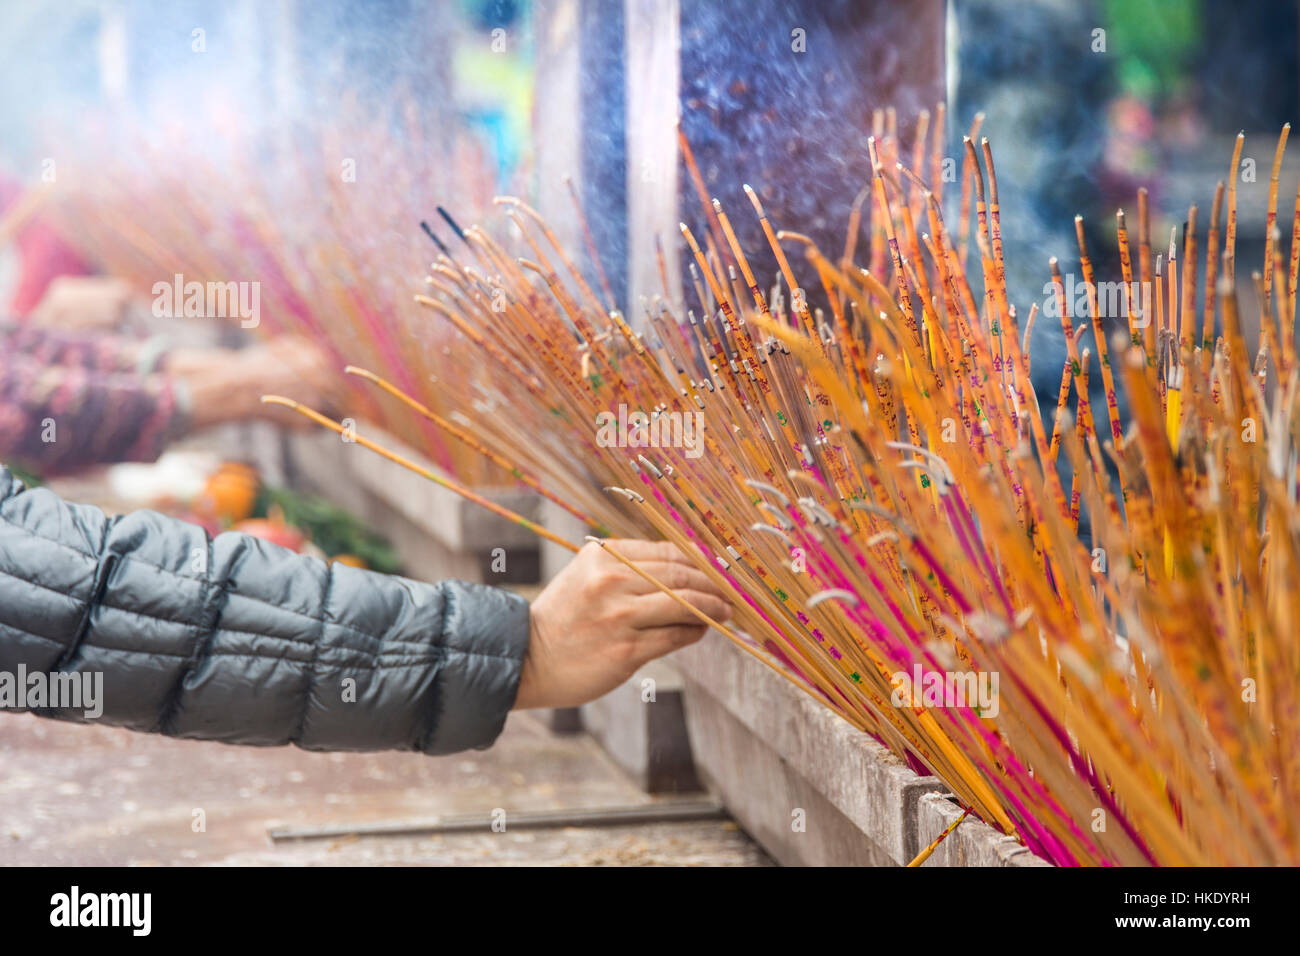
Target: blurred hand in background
[
  {"x": 228, "y": 384},
  {"x": 83, "y": 304}
]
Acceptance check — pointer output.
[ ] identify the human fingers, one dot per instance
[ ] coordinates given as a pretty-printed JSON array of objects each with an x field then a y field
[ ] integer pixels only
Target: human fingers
[
  {"x": 666, "y": 610},
  {"x": 675, "y": 576},
  {"x": 638, "y": 550},
  {"x": 658, "y": 641}
]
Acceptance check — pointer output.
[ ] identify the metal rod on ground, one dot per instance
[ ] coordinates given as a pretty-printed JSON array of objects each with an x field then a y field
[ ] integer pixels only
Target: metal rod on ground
[{"x": 684, "y": 812}]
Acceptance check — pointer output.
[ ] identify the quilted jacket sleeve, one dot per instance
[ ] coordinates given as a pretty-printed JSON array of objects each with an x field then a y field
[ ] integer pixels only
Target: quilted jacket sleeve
[{"x": 235, "y": 639}]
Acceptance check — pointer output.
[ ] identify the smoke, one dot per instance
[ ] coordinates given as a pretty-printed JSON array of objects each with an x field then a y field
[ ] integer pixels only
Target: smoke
[{"x": 240, "y": 82}]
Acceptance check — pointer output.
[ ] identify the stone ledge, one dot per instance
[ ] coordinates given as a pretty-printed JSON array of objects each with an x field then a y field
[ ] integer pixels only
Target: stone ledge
[
  {"x": 974, "y": 843},
  {"x": 647, "y": 739},
  {"x": 761, "y": 743}
]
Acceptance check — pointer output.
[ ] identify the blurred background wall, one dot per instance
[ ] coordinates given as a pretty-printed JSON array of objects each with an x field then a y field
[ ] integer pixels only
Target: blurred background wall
[{"x": 1084, "y": 101}]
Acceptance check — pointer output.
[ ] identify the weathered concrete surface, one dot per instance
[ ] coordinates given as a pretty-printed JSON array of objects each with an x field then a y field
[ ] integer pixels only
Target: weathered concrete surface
[
  {"x": 870, "y": 788},
  {"x": 646, "y": 738},
  {"x": 767, "y": 749},
  {"x": 437, "y": 533},
  {"x": 100, "y": 796},
  {"x": 559, "y": 522},
  {"x": 974, "y": 843},
  {"x": 777, "y": 805}
]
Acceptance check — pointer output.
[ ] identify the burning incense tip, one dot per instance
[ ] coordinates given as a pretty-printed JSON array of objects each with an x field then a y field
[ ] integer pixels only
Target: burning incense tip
[
  {"x": 770, "y": 489},
  {"x": 832, "y": 594},
  {"x": 654, "y": 469}
]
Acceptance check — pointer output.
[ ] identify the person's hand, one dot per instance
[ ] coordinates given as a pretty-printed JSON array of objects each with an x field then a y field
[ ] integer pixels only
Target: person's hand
[
  {"x": 228, "y": 384},
  {"x": 598, "y": 621},
  {"x": 295, "y": 368},
  {"x": 82, "y": 303}
]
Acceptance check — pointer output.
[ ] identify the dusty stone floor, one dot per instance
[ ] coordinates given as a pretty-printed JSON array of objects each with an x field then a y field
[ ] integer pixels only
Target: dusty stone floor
[{"x": 99, "y": 796}]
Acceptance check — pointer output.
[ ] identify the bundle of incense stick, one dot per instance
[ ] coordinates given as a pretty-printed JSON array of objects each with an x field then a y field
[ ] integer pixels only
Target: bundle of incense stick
[
  {"x": 875, "y": 486},
  {"x": 328, "y": 245}
]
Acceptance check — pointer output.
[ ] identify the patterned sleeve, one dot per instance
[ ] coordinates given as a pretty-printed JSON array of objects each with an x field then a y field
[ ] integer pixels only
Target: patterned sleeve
[
  {"x": 57, "y": 418},
  {"x": 92, "y": 351}
]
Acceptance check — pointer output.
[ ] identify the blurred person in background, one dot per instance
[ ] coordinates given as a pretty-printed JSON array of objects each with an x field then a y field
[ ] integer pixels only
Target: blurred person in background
[
  {"x": 69, "y": 400},
  {"x": 75, "y": 393}
]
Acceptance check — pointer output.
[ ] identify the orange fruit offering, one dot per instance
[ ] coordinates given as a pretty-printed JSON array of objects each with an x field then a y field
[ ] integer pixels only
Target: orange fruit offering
[{"x": 230, "y": 493}]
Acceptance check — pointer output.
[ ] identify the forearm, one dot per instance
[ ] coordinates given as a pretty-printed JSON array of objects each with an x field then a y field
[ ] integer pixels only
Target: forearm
[
  {"x": 216, "y": 383},
  {"x": 234, "y": 639}
]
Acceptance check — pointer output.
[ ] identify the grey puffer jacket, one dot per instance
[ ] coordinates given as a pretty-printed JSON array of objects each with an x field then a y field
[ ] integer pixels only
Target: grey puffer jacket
[{"x": 238, "y": 640}]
